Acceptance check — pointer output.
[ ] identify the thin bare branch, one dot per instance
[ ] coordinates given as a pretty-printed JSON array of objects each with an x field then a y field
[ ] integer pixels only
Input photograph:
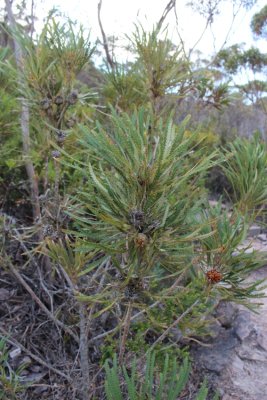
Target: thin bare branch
[
  {"x": 109, "y": 58},
  {"x": 24, "y": 120},
  {"x": 171, "y": 5},
  {"x": 173, "y": 325},
  {"x": 40, "y": 304},
  {"x": 84, "y": 354},
  {"x": 14, "y": 342},
  {"x": 127, "y": 323}
]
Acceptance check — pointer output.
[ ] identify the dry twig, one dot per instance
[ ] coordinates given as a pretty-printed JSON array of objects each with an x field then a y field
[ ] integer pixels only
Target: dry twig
[
  {"x": 14, "y": 342},
  {"x": 41, "y": 305},
  {"x": 104, "y": 38}
]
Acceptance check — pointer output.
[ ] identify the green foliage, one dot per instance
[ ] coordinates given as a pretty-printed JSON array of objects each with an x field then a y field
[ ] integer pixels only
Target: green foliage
[
  {"x": 72, "y": 261},
  {"x": 10, "y": 382},
  {"x": 143, "y": 206},
  {"x": 159, "y": 69},
  {"x": 10, "y": 141},
  {"x": 124, "y": 88},
  {"x": 53, "y": 62},
  {"x": 223, "y": 252},
  {"x": 254, "y": 90},
  {"x": 234, "y": 58},
  {"x": 166, "y": 384},
  {"x": 258, "y": 23},
  {"x": 141, "y": 245},
  {"x": 245, "y": 168},
  {"x": 57, "y": 102},
  {"x": 162, "y": 67}
]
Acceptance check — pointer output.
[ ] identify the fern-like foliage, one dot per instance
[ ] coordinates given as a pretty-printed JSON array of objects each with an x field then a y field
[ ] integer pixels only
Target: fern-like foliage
[{"x": 155, "y": 384}]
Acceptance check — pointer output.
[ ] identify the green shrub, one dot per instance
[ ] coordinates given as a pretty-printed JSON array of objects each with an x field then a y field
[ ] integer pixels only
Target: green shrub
[{"x": 153, "y": 384}]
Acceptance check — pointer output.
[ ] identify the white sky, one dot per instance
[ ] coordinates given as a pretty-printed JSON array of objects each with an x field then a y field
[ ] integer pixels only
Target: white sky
[{"x": 118, "y": 17}]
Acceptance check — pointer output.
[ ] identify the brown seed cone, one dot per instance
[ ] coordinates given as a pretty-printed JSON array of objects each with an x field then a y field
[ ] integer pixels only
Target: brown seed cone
[
  {"x": 141, "y": 240},
  {"x": 214, "y": 276}
]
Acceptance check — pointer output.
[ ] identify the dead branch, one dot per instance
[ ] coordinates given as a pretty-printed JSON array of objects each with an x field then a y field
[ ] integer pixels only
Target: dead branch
[
  {"x": 24, "y": 120},
  {"x": 173, "y": 325},
  {"x": 84, "y": 355},
  {"x": 41, "y": 305},
  {"x": 104, "y": 38},
  {"x": 14, "y": 342},
  {"x": 83, "y": 340},
  {"x": 127, "y": 323},
  {"x": 168, "y": 8}
]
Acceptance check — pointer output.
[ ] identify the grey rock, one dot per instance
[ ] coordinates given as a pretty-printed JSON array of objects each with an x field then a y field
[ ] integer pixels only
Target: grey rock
[
  {"x": 243, "y": 326},
  {"x": 34, "y": 377},
  {"x": 216, "y": 357},
  {"x": 15, "y": 353},
  {"x": 4, "y": 294},
  {"x": 26, "y": 361},
  {"x": 225, "y": 313},
  {"x": 262, "y": 237},
  {"x": 237, "y": 357},
  {"x": 36, "y": 368},
  {"x": 254, "y": 230}
]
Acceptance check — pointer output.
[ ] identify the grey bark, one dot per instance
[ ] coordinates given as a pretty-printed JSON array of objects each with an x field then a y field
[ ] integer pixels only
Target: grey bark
[{"x": 24, "y": 118}]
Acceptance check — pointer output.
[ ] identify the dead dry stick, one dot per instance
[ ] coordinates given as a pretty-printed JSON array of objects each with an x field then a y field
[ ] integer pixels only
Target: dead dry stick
[
  {"x": 127, "y": 323},
  {"x": 83, "y": 340},
  {"x": 24, "y": 118},
  {"x": 41, "y": 305},
  {"x": 173, "y": 325},
  {"x": 84, "y": 356},
  {"x": 104, "y": 38},
  {"x": 168, "y": 8},
  {"x": 14, "y": 342}
]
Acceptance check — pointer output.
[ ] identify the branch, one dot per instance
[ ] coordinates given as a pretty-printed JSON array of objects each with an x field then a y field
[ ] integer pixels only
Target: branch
[
  {"x": 84, "y": 354},
  {"x": 83, "y": 345},
  {"x": 40, "y": 304},
  {"x": 14, "y": 342},
  {"x": 168, "y": 8},
  {"x": 105, "y": 41},
  {"x": 24, "y": 119},
  {"x": 176, "y": 322},
  {"x": 127, "y": 323}
]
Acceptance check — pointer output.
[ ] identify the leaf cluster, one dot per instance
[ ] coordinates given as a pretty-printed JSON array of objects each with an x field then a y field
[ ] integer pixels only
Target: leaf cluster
[{"x": 155, "y": 385}]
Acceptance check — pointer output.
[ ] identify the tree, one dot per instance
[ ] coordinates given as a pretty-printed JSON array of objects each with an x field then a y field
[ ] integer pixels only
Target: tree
[{"x": 236, "y": 58}]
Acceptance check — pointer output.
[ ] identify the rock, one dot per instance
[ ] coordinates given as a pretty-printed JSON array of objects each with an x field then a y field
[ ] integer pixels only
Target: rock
[
  {"x": 214, "y": 329},
  {"x": 262, "y": 237},
  {"x": 242, "y": 325},
  {"x": 262, "y": 341},
  {"x": 237, "y": 358},
  {"x": 230, "y": 397},
  {"x": 26, "y": 361},
  {"x": 34, "y": 377},
  {"x": 217, "y": 356},
  {"x": 4, "y": 294},
  {"x": 254, "y": 230},
  {"x": 15, "y": 353},
  {"x": 225, "y": 313},
  {"x": 36, "y": 368}
]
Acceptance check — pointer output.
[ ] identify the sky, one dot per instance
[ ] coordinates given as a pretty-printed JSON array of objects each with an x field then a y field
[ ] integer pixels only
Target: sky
[{"x": 119, "y": 16}]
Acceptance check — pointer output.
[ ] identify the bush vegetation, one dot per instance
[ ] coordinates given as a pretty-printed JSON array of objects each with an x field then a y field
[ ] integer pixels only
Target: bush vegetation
[{"x": 108, "y": 231}]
